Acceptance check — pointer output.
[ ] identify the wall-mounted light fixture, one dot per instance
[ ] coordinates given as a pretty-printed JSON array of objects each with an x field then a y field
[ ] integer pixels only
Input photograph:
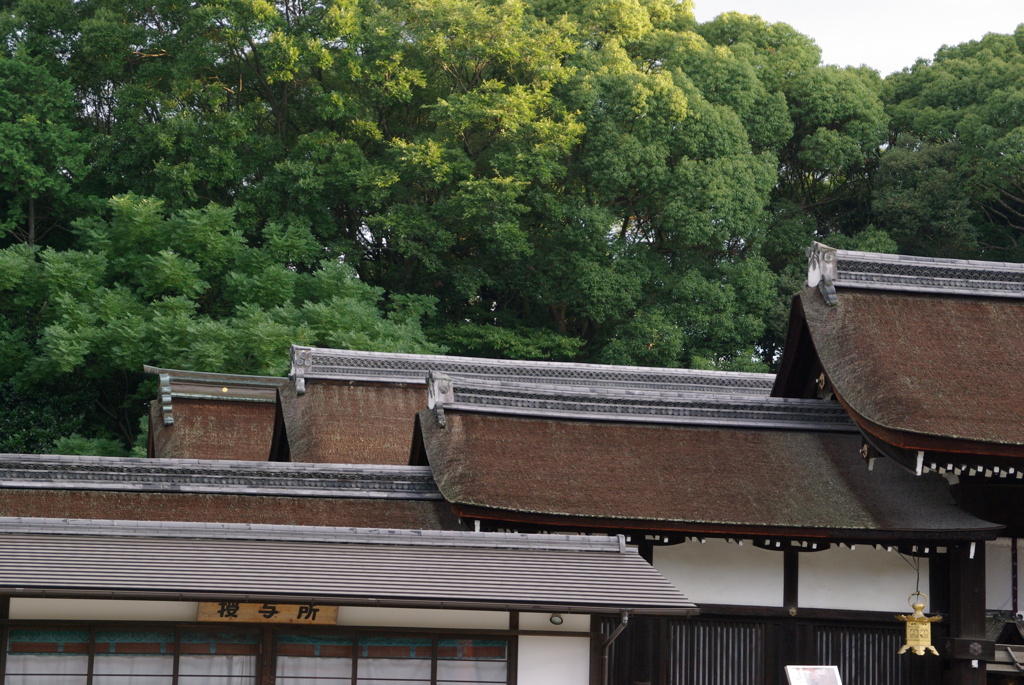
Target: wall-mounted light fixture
[{"x": 556, "y": 619}]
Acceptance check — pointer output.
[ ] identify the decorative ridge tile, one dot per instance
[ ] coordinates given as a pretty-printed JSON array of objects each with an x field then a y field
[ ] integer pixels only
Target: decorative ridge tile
[
  {"x": 616, "y": 404},
  {"x": 201, "y": 385},
  {"x": 829, "y": 268},
  {"x": 323, "y": 363},
  {"x": 217, "y": 477}
]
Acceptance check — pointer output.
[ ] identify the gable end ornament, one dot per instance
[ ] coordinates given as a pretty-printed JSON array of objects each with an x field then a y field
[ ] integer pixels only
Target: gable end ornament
[
  {"x": 166, "y": 398},
  {"x": 439, "y": 391},
  {"x": 823, "y": 271},
  {"x": 302, "y": 359}
]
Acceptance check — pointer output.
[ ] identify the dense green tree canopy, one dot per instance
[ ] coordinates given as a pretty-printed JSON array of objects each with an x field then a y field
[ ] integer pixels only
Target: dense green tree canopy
[
  {"x": 201, "y": 184},
  {"x": 953, "y": 180},
  {"x": 41, "y": 153},
  {"x": 186, "y": 291}
]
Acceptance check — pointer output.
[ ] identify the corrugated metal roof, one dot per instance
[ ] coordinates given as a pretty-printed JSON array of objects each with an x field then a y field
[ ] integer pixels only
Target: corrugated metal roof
[
  {"x": 217, "y": 477},
  {"x": 325, "y": 363},
  {"x": 330, "y": 566}
]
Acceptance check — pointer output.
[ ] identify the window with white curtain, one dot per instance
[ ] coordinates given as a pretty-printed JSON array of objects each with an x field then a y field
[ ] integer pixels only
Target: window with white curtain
[
  {"x": 217, "y": 658},
  {"x": 130, "y": 657},
  {"x": 133, "y": 658},
  {"x": 472, "y": 661},
  {"x": 312, "y": 659},
  {"x": 47, "y": 657},
  {"x": 158, "y": 655}
]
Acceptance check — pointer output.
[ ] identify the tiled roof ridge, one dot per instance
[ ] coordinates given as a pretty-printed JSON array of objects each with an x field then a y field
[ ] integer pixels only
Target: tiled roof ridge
[
  {"x": 17, "y": 525},
  {"x": 223, "y": 382},
  {"x": 620, "y": 404},
  {"x": 363, "y": 481},
  {"x": 828, "y": 268},
  {"x": 326, "y": 363},
  {"x": 211, "y": 377}
]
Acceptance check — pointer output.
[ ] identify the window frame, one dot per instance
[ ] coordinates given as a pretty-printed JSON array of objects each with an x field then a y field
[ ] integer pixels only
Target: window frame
[{"x": 266, "y": 639}]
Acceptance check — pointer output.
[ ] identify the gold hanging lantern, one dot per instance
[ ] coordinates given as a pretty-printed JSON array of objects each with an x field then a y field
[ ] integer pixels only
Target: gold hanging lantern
[{"x": 919, "y": 626}]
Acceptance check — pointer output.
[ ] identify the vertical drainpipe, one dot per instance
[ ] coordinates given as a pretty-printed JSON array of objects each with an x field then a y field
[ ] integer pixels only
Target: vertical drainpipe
[{"x": 624, "y": 619}]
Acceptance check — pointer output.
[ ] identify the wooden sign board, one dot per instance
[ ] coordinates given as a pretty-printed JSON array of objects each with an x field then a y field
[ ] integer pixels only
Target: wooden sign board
[
  {"x": 269, "y": 612},
  {"x": 813, "y": 675}
]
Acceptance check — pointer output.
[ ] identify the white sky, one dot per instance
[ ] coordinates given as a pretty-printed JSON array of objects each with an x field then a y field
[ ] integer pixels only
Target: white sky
[{"x": 885, "y": 34}]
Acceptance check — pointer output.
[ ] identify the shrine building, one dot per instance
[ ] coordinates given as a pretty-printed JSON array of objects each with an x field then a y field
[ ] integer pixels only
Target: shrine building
[{"x": 393, "y": 518}]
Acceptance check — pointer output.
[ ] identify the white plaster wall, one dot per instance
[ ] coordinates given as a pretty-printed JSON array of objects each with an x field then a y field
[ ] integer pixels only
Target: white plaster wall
[
  {"x": 422, "y": 618},
  {"x": 722, "y": 572},
  {"x": 577, "y": 623},
  {"x": 554, "y": 660},
  {"x": 101, "y": 610},
  {"x": 999, "y": 574},
  {"x": 865, "y": 579}
]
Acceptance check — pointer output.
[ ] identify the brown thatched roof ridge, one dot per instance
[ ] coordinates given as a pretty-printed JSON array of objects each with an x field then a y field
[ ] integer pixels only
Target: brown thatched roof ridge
[
  {"x": 200, "y": 415},
  {"x": 353, "y": 422},
  {"x": 201, "y": 385}
]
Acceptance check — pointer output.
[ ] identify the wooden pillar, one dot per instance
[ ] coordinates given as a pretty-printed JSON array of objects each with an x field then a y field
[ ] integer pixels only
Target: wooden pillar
[
  {"x": 938, "y": 583},
  {"x": 266, "y": 664},
  {"x": 513, "y": 645},
  {"x": 641, "y": 641},
  {"x": 791, "y": 580},
  {"x": 643, "y": 634},
  {"x": 967, "y": 647},
  {"x": 790, "y": 636},
  {"x": 596, "y": 650}
]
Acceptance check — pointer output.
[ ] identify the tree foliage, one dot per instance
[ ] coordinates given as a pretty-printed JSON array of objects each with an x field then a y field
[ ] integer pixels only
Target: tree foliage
[
  {"x": 184, "y": 291},
  {"x": 956, "y": 165},
  {"x": 201, "y": 184},
  {"x": 41, "y": 153}
]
